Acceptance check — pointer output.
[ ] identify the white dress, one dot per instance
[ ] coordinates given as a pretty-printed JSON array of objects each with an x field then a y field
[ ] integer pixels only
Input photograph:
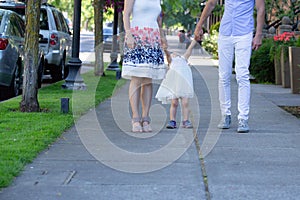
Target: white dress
[
  {"x": 146, "y": 59},
  {"x": 178, "y": 82}
]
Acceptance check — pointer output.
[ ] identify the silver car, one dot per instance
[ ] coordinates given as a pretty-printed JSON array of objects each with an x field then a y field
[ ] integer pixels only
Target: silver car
[
  {"x": 12, "y": 31},
  {"x": 56, "y": 42}
]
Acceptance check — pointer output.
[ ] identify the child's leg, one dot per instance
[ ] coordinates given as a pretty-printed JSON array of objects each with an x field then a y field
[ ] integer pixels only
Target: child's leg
[
  {"x": 173, "y": 109},
  {"x": 185, "y": 108}
]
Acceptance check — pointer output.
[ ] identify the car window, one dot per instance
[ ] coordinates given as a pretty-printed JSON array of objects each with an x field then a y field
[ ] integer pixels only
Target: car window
[
  {"x": 63, "y": 23},
  {"x": 20, "y": 9},
  {"x": 57, "y": 21},
  {"x": 1, "y": 16},
  {"x": 14, "y": 27},
  {"x": 20, "y": 25},
  {"x": 107, "y": 31},
  {"x": 44, "y": 24}
]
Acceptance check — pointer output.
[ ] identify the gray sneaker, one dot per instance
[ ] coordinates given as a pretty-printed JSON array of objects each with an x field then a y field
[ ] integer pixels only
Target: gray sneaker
[
  {"x": 225, "y": 122},
  {"x": 243, "y": 126},
  {"x": 187, "y": 124}
]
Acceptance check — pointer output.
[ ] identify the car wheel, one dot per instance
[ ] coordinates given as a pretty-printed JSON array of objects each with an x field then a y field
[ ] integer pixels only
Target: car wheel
[
  {"x": 56, "y": 73},
  {"x": 60, "y": 72},
  {"x": 64, "y": 68},
  {"x": 14, "y": 88},
  {"x": 40, "y": 73},
  {"x": 2, "y": 93}
]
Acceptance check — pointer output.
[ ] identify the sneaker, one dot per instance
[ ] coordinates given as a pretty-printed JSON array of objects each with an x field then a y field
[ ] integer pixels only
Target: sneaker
[
  {"x": 225, "y": 122},
  {"x": 187, "y": 124},
  {"x": 171, "y": 124},
  {"x": 243, "y": 126}
]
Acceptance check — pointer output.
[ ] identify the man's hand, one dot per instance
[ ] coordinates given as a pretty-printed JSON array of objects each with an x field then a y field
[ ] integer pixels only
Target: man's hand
[
  {"x": 198, "y": 34},
  {"x": 257, "y": 41}
]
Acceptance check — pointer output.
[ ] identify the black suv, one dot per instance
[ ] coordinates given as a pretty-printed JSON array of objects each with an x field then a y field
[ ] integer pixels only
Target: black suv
[{"x": 56, "y": 42}]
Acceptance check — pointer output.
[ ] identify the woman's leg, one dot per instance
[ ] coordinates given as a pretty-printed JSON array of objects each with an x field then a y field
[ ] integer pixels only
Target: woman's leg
[
  {"x": 134, "y": 99},
  {"x": 146, "y": 97}
]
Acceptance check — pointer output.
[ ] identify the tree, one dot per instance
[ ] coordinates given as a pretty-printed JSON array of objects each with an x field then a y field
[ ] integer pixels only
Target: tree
[
  {"x": 180, "y": 13},
  {"x": 99, "y": 7},
  {"x": 275, "y": 10},
  {"x": 29, "y": 102},
  {"x": 88, "y": 14},
  {"x": 99, "y": 47},
  {"x": 66, "y": 6},
  {"x": 121, "y": 36}
]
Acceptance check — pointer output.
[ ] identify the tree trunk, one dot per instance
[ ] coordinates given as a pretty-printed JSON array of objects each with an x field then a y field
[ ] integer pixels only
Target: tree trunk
[
  {"x": 99, "y": 48},
  {"x": 29, "y": 101},
  {"x": 121, "y": 36}
]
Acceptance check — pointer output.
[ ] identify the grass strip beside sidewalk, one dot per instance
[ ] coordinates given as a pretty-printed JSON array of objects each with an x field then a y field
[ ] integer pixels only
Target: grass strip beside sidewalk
[{"x": 24, "y": 135}]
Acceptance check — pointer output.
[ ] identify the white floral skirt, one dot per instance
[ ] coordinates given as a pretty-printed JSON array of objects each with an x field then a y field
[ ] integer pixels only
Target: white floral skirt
[{"x": 146, "y": 59}]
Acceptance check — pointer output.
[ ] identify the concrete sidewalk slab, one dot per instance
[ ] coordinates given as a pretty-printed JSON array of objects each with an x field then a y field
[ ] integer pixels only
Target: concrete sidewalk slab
[
  {"x": 71, "y": 168},
  {"x": 261, "y": 164}
]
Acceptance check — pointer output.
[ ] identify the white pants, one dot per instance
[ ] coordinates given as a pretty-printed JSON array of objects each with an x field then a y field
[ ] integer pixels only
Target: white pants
[{"x": 238, "y": 47}]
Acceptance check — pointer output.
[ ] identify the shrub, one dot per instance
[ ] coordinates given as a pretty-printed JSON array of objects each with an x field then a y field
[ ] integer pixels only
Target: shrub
[
  {"x": 214, "y": 27},
  {"x": 281, "y": 41},
  {"x": 210, "y": 43},
  {"x": 298, "y": 42},
  {"x": 261, "y": 66}
]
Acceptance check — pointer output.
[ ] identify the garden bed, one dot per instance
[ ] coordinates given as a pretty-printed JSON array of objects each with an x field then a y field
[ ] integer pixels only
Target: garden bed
[{"x": 294, "y": 110}]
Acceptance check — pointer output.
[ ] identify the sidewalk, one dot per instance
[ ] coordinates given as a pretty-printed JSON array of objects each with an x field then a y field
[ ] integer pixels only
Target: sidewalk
[{"x": 99, "y": 158}]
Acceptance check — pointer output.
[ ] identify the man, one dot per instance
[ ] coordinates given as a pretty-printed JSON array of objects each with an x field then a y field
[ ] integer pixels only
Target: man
[{"x": 235, "y": 42}]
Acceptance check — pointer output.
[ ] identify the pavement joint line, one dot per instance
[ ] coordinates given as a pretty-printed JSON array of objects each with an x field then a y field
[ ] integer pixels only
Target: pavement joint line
[
  {"x": 69, "y": 177},
  {"x": 203, "y": 170}
]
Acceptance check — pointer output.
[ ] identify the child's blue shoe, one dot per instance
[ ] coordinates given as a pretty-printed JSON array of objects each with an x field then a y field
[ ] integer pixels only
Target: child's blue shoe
[{"x": 171, "y": 124}]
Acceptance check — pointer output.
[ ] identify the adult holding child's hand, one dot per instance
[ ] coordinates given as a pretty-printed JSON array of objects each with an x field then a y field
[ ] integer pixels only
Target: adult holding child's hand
[
  {"x": 235, "y": 42},
  {"x": 198, "y": 34}
]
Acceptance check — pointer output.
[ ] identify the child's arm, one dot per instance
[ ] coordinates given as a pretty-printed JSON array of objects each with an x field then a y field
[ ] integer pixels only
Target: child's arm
[
  {"x": 168, "y": 55},
  {"x": 188, "y": 52}
]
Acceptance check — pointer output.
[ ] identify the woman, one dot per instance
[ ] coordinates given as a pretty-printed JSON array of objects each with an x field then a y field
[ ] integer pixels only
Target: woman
[{"x": 143, "y": 56}]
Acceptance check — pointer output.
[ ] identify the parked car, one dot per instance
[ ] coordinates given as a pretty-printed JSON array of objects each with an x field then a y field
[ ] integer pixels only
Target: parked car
[
  {"x": 56, "y": 41},
  {"x": 55, "y": 30},
  {"x": 108, "y": 38},
  {"x": 70, "y": 24},
  {"x": 12, "y": 31}
]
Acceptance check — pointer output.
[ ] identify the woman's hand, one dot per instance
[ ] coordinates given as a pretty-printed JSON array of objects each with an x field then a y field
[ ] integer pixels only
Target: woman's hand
[{"x": 130, "y": 40}]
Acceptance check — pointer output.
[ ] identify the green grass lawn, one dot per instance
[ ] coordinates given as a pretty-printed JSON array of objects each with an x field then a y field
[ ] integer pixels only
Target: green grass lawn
[{"x": 24, "y": 135}]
